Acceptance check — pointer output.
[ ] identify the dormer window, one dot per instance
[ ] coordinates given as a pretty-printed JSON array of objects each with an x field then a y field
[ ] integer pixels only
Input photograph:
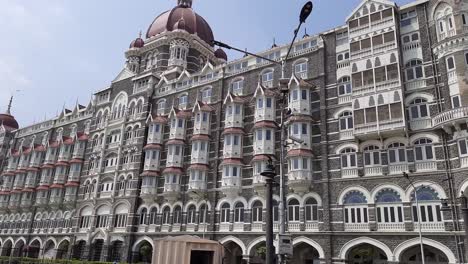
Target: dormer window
[{"x": 179, "y": 50}]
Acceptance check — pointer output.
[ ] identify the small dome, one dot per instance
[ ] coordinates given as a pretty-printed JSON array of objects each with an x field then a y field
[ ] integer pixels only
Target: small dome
[
  {"x": 137, "y": 43},
  {"x": 220, "y": 54},
  {"x": 8, "y": 121},
  {"x": 181, "y": 17}
]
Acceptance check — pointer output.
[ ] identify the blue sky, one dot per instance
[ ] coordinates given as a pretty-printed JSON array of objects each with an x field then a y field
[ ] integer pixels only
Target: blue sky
[{"x": 56, "y": 52}]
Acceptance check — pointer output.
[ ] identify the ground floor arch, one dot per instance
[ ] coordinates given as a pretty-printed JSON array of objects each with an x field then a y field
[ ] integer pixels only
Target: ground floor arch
[
  {"x": 49, "y": 250},
  {"x": 233, "y": 253},
  {"x": 7, "y": 248},
  {"x": 116, "y": 251},
  {"x": 365, "y": 250},
  {"x": 304, "y": 253},
  {"x": 34, "y": 249},
  {"x": 79, "y": 250},
  {"x": 434, "y": 252},
  {"x": 62, "y": 249},
  {"x": 20, "y": 248},
  {"x": 142, "y": 251}
]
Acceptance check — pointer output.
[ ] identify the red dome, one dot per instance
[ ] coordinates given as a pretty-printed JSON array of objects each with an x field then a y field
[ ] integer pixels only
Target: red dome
[
  {"x": 181, "y": 17},
  {"x": 8, "y": 121},
  {"x": 220, "y": 54},
  {"x": 137, "y": 43}
]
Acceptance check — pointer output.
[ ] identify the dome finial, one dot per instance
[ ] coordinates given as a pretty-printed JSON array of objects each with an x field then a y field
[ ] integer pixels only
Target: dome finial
[
  {"x": 8, "y": 111},
  {"x": 184, "y": 3},
  {"x": 139, "y": 34}
]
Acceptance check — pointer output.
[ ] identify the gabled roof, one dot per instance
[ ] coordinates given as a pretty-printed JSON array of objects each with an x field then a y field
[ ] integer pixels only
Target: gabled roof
[
  {"x": 200, "y": 106},
  {"x": 383, "y": 2},
  {"x": 260, "y": 90},
  {"x": 124, "y": 74},
  {"x": 231, "y": 98}
]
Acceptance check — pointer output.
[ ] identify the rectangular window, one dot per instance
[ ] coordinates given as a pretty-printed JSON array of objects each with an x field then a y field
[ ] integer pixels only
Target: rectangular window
[
  {"x": 304, "y": 94},
  {"x": 462, "y": 147},
  {"x": 238, "y": 109},
  {"x": 456, "y": 101},
  {"x": 268, "y": 102},
  {"x": 260, "y": 103},
  {"x": 259, "y": 135},
  {"x": 236, "y": 140},
  {"x": 268, "y": 135},
  {"x": 304, "y": 129}
]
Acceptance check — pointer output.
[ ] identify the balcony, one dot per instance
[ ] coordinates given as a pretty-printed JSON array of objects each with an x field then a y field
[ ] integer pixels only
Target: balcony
[
  {"x": 311, "y": 227},
  {"x": 346, "y": 134},
  {"x": 430, "y": 226},
  {"x": 385, "y": 128},
  {"x": 446, "y": 34},
  {"x": 231, "y": 186},
  {"x": 415, "y": 85},
  {"x": 411, "y": 46},
  {"x": 294, "y": 227},
  {"x": 343, "y": 64},
  {"x": 257, "y": 227},
  {"x": 349, "y": 172},
  {"x": 391, "y": 227},
  {"x": 224, "y": 227},
  {"x": 450, "y": 117},
  {"x": 110, "y": 169},
  {"x": 361, "y": 53},
  {"x": 418, "y": 124},
  {"x": 452, "y": 77},
  {"x": 426, "y": 166},
  {"x": 344, "y": 99},
  {"x": 373, "y": 171},
  {"x": 356, "y": 227},
  {"x": 78, "y": 153},
  {"x": 463, "y": 162},
  {"x": 383, "y": 48},
  {"x": 113, "y": 145},
  {"x": 300, "y": 180},
  {"x": 383, "y": 23},
  {"x": 353, "y": 32},
  {"x": 397, "y": 169},
  {"x": 388, "y": 84},
  {"x": 362, "y": 90},
  {"x": 268, "y": 84}
]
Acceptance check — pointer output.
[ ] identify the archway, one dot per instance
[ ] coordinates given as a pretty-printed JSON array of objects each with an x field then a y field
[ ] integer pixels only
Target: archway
[
  {"x": 366, "y": 254},
  {"x": 6, "y": 250},
  {"x": 34, "y": 249},
  {"x": 96, "y": 250},
  {"x": 233, "y": 254},
  {"x": 143, "y": 253},
  {"x": 115, "y": 251},
  {"x": 432, "y": 255},
  {"x": 62, "y": 250},
  {"x": 258, "y": 254},
  {"x": 19, "y": 249},
  {"x": 49, "y": 250},
  {"x": 79, "y": 250},
  {"x": 304, "y": 253}
]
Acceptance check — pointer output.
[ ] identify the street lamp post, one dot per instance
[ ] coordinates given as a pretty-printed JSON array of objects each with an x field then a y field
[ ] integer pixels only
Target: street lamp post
[
  {"x": 304, "y": 14},
  {"x": 269, "y": 174},
  {"x": 418, "y": 209}
]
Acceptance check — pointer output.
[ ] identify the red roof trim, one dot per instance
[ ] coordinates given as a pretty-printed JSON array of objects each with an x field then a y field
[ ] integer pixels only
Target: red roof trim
[
  {"x": 76, "y": 161},
  {"x": 232, "y": 162},
  {"x": 268, "y": 124},
  {"x": 152, "y": 146},
  {"x": 233, "y": 130},
  {"x": 56, "y": 186},
  {"x": 200, "y": 137},
  {"x": 28, "y": 190},
  {"x": 175, "y": 142},
  {"x": 62, "y": 163},
  {"x": 202, "y": 167},
  {"x": 72, "y": 184},
  {"x": 150, "y": 173},
  {"x": 42, "y": 187},
  {"x": 300, "y": 152}
]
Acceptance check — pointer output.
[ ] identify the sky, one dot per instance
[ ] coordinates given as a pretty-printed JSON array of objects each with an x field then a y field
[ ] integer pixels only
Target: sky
[{"x": 55, "y": 53}]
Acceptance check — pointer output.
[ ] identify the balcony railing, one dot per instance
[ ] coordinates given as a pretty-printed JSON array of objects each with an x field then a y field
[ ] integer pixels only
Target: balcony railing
[
  {"x": 349, "y": 172},
  {"x": 294, "y": 226},
  {"x": 463, "y": 162},
  {"x": 373, "y": 171},
  {"x": 426, "y": 166},
  {"x": 389, "y": 227},
  {"x": 356, "y": 227},
  {"x": 415, "y": 85},
  {"x": 448, "y": 117},
  {"x": 411, "y": 45},
  {"x": 388, "y": 84},
  {"x": 452, "y": 77},
  {"x": 311, "y": 226},
  {"x": 430, "y": 226},
  {"x": 397, "y": 168},
  {"x": 343, "y": 99},
  {"x": 417, "y": 124}
]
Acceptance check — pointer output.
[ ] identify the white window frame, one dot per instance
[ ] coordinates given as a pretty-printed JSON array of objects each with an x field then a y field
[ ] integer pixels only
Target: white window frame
[{"x": 419, "y": 105}]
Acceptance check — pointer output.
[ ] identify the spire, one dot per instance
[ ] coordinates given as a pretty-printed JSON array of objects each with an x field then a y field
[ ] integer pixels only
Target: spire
[
  {"x": 139, "y": 34},
  {"x": 305, "y": 33},
  {"x": 274, "y": 44},
  {"x": 8, "y": 111},
  {"x": 184, "y": 3}
]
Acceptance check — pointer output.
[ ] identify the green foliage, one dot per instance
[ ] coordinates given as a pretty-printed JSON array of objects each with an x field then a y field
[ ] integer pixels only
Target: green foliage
[{"x": 6, "y": 260}]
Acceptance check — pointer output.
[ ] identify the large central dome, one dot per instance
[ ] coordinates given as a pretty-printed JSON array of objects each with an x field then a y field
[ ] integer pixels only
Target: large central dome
[{"x": 182, "y": 17}]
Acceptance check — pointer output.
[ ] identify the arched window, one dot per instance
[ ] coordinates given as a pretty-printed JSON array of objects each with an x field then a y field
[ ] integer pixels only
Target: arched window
[
  {"x": 414, "y": 70},
  {"x": 166, "y": 220},
  {"x": 418, "y": 108},
  {"x": 348, "y": 158},
  {"x": 355, "y": 211},
  {"x": 177, "y": 215},
  {"x": 344, "y": 86},
  {"x": 267, "y": 76},
  {"x": 239, "y": 213},
  {"x": 293, "y": 210},
  {"x": 311, "y": 210},
  {"x": 450, "y": 64},
  {"x": 144, "y": 216},
  {"x": 423, "y": 149},
  {"x": 389, "y": 209},
  {"x": 371, "y": 156},
  {"x": 257, "y": 212},
  {"x": 203, "y": 214},
  {"x": 346, "y": 120},
  {"x": 300, "y": 67},
  {"x": 225, "y": 213},
  {"x": 397, "y": 153},
  {"x": 191, "y": 215},
  {"x": 153, "y": 216},
  {"x": 429, "y": 209}
]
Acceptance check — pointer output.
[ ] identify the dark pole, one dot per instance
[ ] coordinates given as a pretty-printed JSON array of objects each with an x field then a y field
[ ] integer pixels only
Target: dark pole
[
  {"x": 464, "y": 210},
  {"x": 269, "y": 175},
  {"x": 269, "y": 221}
]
